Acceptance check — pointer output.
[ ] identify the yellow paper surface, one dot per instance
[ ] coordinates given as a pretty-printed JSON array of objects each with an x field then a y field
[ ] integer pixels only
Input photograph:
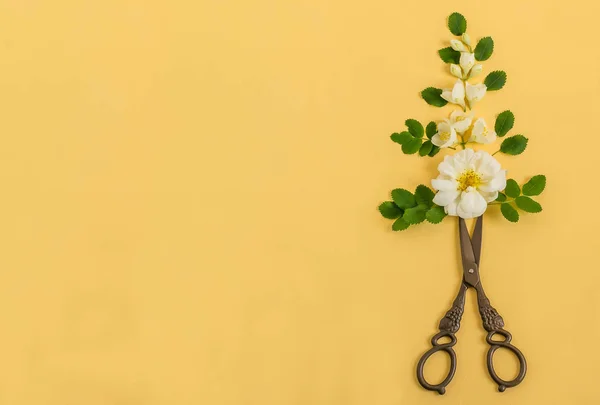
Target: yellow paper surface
[{"x": 189, "y": 193}]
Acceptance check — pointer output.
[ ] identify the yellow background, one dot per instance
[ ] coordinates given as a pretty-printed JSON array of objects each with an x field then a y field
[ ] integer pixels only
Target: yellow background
[{"x": 189, "y": 193}]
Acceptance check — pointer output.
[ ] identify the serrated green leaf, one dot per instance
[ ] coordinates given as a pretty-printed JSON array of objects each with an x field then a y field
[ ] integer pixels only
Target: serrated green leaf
[
  {"x": 527, "y": 204},
  {"x": 401, "y": 137},
  {"x": 403, "y": 198},
  {"x": 495, "y": 80},
  {"x": 415, "y": 215},
  {"x": 504, "y": 122},
  {"x": 431, "y": 129},
  {"x": 512, "y": 188},
  {"x": 412, "y": 146},
  {"x": 433, "y": 97},
  {"x": 390, "y": 210},
  {"x": 415, "y": 128},
  {"x": 434, "y": 151},
  {"x": 400, "y": 224},
  {"x": 514, "y": 145},
  {"x": 509, "y": 212},
  {"x": 425, "y": 148},
  {"x": 535, "y": 185},
  {"x": 457, "y": 24},
  {"x": 435, "y": 214},
  {"x": 424, "y": 195},
  {"x": 449, "y": 55},
  {"x": 484, "y": 49},
  {"x": 501, "y": 197}
]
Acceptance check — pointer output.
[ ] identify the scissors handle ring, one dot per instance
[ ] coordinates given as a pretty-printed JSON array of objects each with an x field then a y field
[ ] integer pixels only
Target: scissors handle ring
[
  {"x": 495, "y": 345},
  {"x": 446, "y": 347}
]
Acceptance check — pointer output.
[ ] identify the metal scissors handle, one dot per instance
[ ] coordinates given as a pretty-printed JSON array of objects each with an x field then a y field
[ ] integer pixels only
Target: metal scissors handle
[{"x": 492, "y": 321}]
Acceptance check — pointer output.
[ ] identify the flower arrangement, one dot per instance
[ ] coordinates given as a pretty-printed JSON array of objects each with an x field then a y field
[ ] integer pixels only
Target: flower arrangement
[{"x": 468, "y": 181}]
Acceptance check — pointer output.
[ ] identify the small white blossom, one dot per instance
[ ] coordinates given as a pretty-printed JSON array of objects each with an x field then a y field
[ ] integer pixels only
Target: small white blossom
[
  {"x": 455, "y": 70},
  {"x": 445, "y": 136},
  {"x": 466, "y": 38},
  {"x": 457, "y": 45},
  {"x": 461, "y": 121},
  {"x": 481, "y": 133},
  {"x": 475, "y": 92},
  {"x": 467, "y": 60},
  {"x": 456, "y": 95},
  {"x": 467, "y": 182},
  {"x": 476, "y": 70}
]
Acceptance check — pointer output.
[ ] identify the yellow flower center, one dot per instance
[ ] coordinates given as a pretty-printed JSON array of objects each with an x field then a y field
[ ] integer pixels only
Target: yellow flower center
[
  {"x": 469, "y": 178},
  {"x": 444, "y": 136},
  {"x": 459, "y": 119}
]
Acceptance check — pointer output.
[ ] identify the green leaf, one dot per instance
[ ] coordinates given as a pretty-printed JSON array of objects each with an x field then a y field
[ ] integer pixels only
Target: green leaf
[
  {"x": 425, "y": 148},
  {"x": 484, "y": 49},
  {"x": 433, "y": 97},
  {"x": 527, "y": 204},
  {"x": 495, "y": 80},
  {"x": 514, "y": 145},
  {"x": 501, "y": 197},
  {"x": 504, "y": 122},
  {"x": 434, "y": 151},
  {"x": 512, "y": 188},
  {"x": 457, "y": 24},
  {"x": 390, "y": 210},
  {"x": 535, "y": 185},
  {"x": 424, "y": 195},
  {"x": 401, "y": 137},
  {"x": 403, "y": 198},
  {"x": 509, "y": 212},
  {"x": 400, "y": 224},
  {"x": 435, "y": 214},
  {"x": 431, "y": 129},
  {"x": 412, "y": 146},
  {"x": 449, "y": 55},
  {"x": 415, "y": 128},
  {"x": 415, "y": 215}
]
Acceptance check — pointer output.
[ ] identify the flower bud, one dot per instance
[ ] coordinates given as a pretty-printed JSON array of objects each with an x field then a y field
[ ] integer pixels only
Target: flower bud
[
  {"x": 457, "y": 45},
  {"x": 456, "y": 70},
  {"x": 476, "y": 70},
  {"x": 466, "y": 38}
]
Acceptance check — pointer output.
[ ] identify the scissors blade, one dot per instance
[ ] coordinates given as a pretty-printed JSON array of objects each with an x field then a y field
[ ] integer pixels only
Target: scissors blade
[
  {"x": 470, "y": 267},
  {"x": 476, "y": 239}
]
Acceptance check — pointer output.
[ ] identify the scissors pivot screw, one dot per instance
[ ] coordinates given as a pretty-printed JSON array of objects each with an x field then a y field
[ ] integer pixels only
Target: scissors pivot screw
[{"x": 471, "y": 271}]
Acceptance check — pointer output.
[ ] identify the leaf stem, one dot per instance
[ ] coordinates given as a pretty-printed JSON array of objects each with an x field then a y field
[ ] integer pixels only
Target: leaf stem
[{"x": 495, "y": 152}]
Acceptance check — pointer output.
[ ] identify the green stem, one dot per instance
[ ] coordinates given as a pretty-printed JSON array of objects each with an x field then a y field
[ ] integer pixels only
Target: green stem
[{"x": 495, "y": 152}]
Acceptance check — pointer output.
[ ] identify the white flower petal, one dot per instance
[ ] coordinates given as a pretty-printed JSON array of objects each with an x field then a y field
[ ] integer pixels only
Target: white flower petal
[
  {"x": 443, "y": 184},
  {"x": 471, "y": 205},
  {"x": 444, "y": 198}
]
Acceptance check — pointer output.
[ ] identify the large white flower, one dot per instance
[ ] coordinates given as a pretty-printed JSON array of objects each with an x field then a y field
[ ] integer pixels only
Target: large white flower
[
  {"x": 456, "y": 95},
  {"x": 481, "y": 133},
  {"x": 475, "y": 92},
  {"x": 468, "y": 180},
  {"x": 445, "y": 136},
  {"x": 461, "y": 121}
]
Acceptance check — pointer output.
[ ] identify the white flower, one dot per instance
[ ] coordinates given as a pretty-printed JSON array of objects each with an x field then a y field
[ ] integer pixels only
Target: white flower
[
  {"x": 476, "y": 70},
  {"x": 474, "y": 92},
  {"x": 461, "y": 121},
  {"x": 481, "y": 133},
  {"x": 466, "y": 38},
  {"x": 457, "y": 45},
  {"x": 456, "y": 95},
  {"x": 468, "y": 181},
  {"x": 467, "y": 61},
  {"x": 445, "y": 136},
  {"x": 455, "y": 70}
]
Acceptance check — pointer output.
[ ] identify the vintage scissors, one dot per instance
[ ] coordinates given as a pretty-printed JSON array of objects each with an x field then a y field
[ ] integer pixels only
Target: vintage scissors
[{"x": 492, "y": 321}]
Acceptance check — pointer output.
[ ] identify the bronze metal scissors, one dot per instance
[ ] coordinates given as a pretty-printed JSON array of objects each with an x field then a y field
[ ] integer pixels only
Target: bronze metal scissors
[{"x": 492, "y": 321}]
